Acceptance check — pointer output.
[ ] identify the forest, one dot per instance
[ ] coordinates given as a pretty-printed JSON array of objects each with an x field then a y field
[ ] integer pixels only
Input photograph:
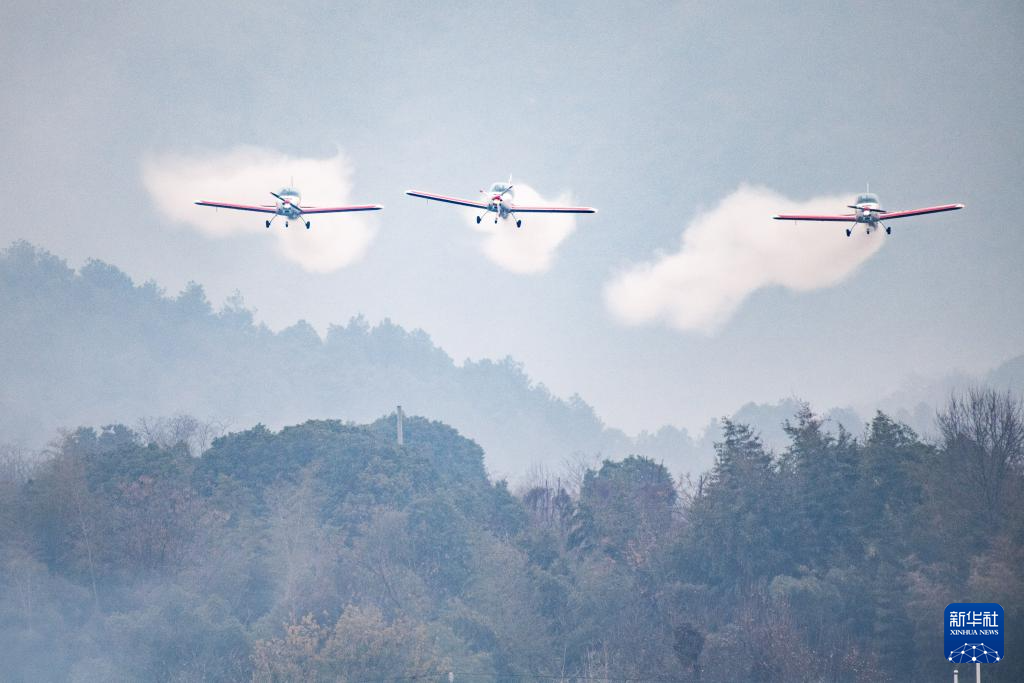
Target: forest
[
  {"x": 327, "y": 551},
  {"x": 186, "y": 495}
]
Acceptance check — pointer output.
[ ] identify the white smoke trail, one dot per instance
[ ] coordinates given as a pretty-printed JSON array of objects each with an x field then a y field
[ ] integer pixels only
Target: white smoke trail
[
  {"x": 531, "y": 248},
  {"x": 246, "y": 175},
  {"x": 733, "y": 250}
]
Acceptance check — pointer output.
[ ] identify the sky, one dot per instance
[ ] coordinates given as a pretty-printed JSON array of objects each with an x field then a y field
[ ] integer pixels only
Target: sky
[{"x": 684, "y": 124}]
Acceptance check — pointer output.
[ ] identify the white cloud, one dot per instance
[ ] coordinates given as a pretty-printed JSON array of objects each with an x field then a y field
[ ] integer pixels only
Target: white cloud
[
  {"x": 246, "y": 175},
  {"x": 531, "y": 248},
  {"x": 733, "y": 250}
]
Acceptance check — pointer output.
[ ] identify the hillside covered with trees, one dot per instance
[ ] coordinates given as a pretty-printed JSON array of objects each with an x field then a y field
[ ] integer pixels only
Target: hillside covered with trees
[
  {"x": 92, "y": 347},
  {"x": 326, "y": 551}
]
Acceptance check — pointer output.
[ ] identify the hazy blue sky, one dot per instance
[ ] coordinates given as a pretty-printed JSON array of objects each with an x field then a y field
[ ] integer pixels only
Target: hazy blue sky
[{"x": 653, "y": 112}]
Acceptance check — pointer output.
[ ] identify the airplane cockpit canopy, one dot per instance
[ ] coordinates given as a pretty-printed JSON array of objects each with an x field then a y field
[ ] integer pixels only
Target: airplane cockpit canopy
[
  {"x": 288, "y": 192},
  {"x": 867, "y": 199},
  {"x": 499, "y": 187}
]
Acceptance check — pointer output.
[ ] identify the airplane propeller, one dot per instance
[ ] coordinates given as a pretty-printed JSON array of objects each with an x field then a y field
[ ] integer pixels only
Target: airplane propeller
[{"x": 287, "y": 202}]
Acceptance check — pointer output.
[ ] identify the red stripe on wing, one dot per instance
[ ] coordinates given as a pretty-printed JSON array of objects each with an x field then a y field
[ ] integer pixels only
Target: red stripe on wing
[
  {"x": 515, "y": 208},
  {"x": 238, "y": 207},
  {"x": 847, "y": 218},
  {"x": 447, "y": 200},
  {"x": 918, "y": 212},
  {"x": 341, "y": 209}
]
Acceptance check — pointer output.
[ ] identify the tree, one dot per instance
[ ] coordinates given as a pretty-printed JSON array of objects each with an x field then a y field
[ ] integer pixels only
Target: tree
[
  {"x": 181, "y": 429},
  {"x": 625, "y": 509},
  {"x": 822, "y": 471},
  {"x": 362, "y": 645},
  {"x": 983, "y": 437},
  {"x": 734, "y": 537},
  {"x": 890, "y": 486}
]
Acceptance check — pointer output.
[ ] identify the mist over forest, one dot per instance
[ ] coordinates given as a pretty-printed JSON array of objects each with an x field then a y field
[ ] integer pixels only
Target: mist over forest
[
  {"x": 186, "y": 495},
  {"x": 92, "y": 347}
]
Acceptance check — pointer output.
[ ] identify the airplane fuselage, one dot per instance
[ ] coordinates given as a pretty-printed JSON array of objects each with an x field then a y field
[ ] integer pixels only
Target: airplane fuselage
[
  {"x": 288, "y": 201},
  {"x": 499, "y": 198},
  {"x": 866, "y": 211}
]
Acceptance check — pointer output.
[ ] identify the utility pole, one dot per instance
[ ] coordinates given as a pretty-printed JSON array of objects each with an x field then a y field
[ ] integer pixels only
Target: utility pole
[{"x": 399, "y": 415}]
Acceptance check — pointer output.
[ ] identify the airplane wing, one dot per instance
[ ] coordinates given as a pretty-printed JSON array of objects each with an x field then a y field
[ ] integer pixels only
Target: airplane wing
[
  {"x": 448, "y": 200},
  {"x": 339, "y": 209},
  {"x": 239, "y": 207},
  {"x": 846, "y": 217},
  {"x": 515, "y": 208},
  {"x": 918, "y": 212}
]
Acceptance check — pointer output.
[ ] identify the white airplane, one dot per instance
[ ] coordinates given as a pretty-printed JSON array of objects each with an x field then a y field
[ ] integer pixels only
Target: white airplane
[
  {"x": 289, "y": 205},
  {"x": 867, "y": 211},
  {"x": 500, "y": 202}
]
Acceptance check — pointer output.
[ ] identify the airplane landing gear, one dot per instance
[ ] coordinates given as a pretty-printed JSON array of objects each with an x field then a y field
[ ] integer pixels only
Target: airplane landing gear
[
  {"x": 268, "y": 224},
  {"x": 307, "y": 225},
  {"x": 519, "y": 223},
  {"x": 849, "y": 232},
  {"x": 286, "y": 224},
  {"x": 888, "y": 230},
  {"x": 478, "y": 220}
]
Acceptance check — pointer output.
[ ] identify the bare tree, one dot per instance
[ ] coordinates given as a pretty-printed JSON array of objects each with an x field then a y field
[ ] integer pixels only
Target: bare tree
[
  {"x": 574, "y": 470},
  {"x": 16, "y": 464},
  {"x": 167, "y": 432},
  {"x": 983, "y": 431},
  {"x": 80, "y": 508}
]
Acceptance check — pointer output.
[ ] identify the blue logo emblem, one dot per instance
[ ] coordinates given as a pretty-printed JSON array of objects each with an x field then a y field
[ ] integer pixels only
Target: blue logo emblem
[{"x": 974, "y": 633}]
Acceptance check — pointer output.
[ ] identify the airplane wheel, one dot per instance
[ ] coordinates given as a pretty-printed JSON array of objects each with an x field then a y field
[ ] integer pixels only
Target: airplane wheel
[
  {"x": 307, "y": 225},
  {"x": 478, "y": 220},
  {"x": 848, "y": 232},
  {"x": 519, "y": 224},
  {"x": 888, "y": 230},
  {"x": 286, "y": 224},
  {"x": 268, "y": 224}
]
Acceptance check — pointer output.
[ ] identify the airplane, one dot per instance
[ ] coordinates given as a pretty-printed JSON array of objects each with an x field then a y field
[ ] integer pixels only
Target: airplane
[
  {"x": 289, "y": 205},
  {"x": 500, "y": 202},
  {"x": 867, "y": 211}
]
